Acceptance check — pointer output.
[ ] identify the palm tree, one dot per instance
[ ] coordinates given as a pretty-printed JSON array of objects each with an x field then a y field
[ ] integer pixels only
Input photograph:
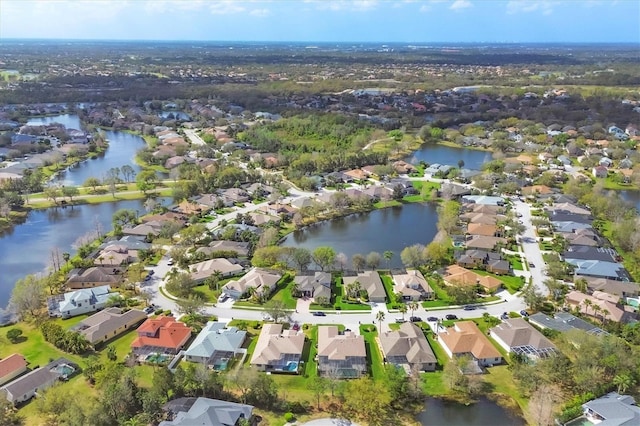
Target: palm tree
[
  {"x": 413, "y": 306},
  {"x": 403, "y": 309},
  {"x": 380, "y": 317},
  {"x": 604, "y": 312},
  {"x": 587, "y": 304},
  {"x": 388, "y": 255},
  {"x": 623, "y": 382}
]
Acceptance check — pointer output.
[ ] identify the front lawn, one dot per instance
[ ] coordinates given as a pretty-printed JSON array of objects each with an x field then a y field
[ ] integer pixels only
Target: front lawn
[
  {"x": 516, "y": 262},
  {"x": 513, "y": 284},
  {"x": 339, "y": 302}
]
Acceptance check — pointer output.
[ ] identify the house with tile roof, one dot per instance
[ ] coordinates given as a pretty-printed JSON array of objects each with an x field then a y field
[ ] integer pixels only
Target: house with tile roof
[
  {"x": 278, "y": 350},
  {"x": 341, "y": 354},
  {"x": 79, "y": 302},
  {"x": 162, "y": 335},
  {"x": 263, "y": 281},
  {"x": 94, "y": 277},
  {"x": 205, "y": 411},
  {"x": 109, "y": 323},
  {"x": 215, "y": 345},
  {"x": 598, "y": 305},
  {"x": 314, "y": 286},
  {"x": 457, "y": 275},
  {"x": 621, "y": 289},
  {"x": 465, "y": 338},
  {"x": 412, "y": 285},
  {"x": 202, "y": 270},
  {"x": 11, "y": 367},
  {"x": 408, "y": 347},
  {"x": 564, "y": 321},
  {"x": 518, "y": 336},
  {"x": 370, "y": 282}
]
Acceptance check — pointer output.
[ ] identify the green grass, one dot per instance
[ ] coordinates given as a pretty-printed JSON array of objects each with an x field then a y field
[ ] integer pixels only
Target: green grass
[
  {"x": 374, "y": 358},
  {"x": 435, "y": 303},
  {"x": 516, "y": 263},
  {"x": 513, "y": 284},
  {"x": 283, "y": 292},
  {"x": 387, "y": 281},
  {"x": 339, "y": 303}
]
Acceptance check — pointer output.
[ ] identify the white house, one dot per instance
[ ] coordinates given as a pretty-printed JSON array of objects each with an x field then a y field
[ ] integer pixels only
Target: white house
[{"x": 80, "y": 301}]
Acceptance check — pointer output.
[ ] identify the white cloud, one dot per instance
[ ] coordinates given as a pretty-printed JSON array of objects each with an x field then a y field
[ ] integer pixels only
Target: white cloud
[
  {"x": 460, "y": 4},
  {"x": 525, "y": 6},
  {"x": 260, "y": 12},
  {"x": 340, "y": 5}
]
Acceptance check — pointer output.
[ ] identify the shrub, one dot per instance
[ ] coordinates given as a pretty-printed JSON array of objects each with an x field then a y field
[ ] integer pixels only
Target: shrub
[
  {"x": 14, "y": 335},
  {"x": 289, "y": 417}
]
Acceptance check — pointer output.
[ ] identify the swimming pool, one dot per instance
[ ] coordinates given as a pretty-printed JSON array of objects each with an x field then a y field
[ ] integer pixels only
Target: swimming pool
[
  {"x": 291, "y": 366},
  {"x": 64, "y": 370},
  {"x": 580, "y": 421},
  {"x": 156, "y": 358}
]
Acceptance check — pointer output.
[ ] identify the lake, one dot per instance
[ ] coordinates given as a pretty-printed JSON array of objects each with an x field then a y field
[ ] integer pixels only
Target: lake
[
  {"x": 121, "y": 151},
  {"x": 632, "y": 197},
  {"x": 70, "y": 121},
  {"x": 440, "y": 412},
  {"x": 441, "y": 154},
  {"x": 26, "y": 248},
  {"x": 380, "y": 230}
]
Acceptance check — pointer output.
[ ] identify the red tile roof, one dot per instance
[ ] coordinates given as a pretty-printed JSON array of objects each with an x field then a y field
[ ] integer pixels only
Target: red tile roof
[
  {"x": 162, "y": 332},
  {"x": 11, "y": 364}
]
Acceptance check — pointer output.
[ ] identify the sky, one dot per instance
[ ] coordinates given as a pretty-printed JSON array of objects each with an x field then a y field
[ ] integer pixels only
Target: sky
[{"x": 406, "y": 21}]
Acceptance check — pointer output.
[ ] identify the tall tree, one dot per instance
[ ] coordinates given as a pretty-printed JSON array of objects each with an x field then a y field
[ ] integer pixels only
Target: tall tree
[
  {"x": 388, "y": 255},
  {"x": 324, "y": 257},
  {"x": 28, "y": 296},
  {"x": 380, "y": 317},
  {"x": 358, "y": 261},
  {"x": 373, "y": 260},
  {"x": 413, "y": 256}
]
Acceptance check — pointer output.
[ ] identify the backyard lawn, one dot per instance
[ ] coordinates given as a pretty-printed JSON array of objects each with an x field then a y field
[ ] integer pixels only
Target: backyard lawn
[
  {"x": 374, "y": 358},
  {"x": 516, "y": 262},
  {"x": 511, "y": 283}
]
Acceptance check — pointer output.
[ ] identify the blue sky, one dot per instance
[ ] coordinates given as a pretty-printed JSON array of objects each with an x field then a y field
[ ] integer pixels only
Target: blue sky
[{"x": 419, "y": 21}]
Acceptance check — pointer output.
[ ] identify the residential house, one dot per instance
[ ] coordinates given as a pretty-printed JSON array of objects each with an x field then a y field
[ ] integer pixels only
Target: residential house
[
  {"x": 564, "y": 321},
  {"x": 518, "y": 336},
  {"x": 278, "y": 209},
  {"x": 163, "y": 335},
  {"x": 483, "y": 242},
  {"x": 115, "y": 256},
  {"x": 570, "y": 208},
  {"x": 408, "y": 347},
  {"x": 26, "y": 387},
  {"x": 564, "y": 216},
  {"x": 457, "y": 275},
  {"x": 202, "y": 270},
  {"x": 483, "y": 199},
  {"x": 147, "y": 228},
  {"x": 486, "y": 229},
  {"x": 536, "y": 190},
  {"x": 599, "y": 269},
  {"x": 581, "y": 237},
  {"x": 602, "y": 254},
  {"x": 569, "y": 226},
  {"x": 94, "y": 277},
  {"x": 210, "y": 412},
  {"x": 80, "y": 302},
  {"x": 314, "y": 286},
  {"x": 622, "y": 289},
  {"x": 599, "y": 305},
  {"x": 412, "y": 286},
  {"x": 480, "y": 218},
  {"x": 612, "y": 409},
  {"x": 453, "y": 191},
  {"x": 240, "y": 248},
  {"x": 278, "y": 350},
  {"x": 599, "y": 171},
  {"x": 233, "y": 196},
  {"x": 11, "y": 367},
  {"x": 109, "y": 323},
  {"x": 216, "y": 345},
  {"x": 263, "y": 219},
  {"x": 262, "y": 281},
  {"x": 341, "y": 354},
  {"x": 370, "y": 282},
  {"x": 465, "y": 338}
]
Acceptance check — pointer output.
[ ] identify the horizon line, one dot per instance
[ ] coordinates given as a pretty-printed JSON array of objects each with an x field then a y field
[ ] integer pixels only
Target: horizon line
[{"x": 4, "y": 39}]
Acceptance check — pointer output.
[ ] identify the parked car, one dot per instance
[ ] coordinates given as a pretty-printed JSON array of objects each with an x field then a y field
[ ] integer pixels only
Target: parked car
[
  {"x": 415, "y": 319},
  {"x": 524, "y": 313},
  {"x": 170, "y": 262},
  {"x": 504, "y": 316},
  {"x": 469, "y": 307},
  {"x": 400, "y": 320},
  {"x": 531, "y": 265},
  {"x": 223, "y": 298},
  {"x": 149, "y": 310},
  {"x": 432, "y": 319},
  {"x": 451, "y": 317},
  {"x": 319, "y": 314}
]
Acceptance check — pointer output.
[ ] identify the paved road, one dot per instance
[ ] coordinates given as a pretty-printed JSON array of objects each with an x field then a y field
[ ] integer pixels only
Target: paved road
[
  {"x": 194, "y": 137},
  {"x": 531, "y": 248}
]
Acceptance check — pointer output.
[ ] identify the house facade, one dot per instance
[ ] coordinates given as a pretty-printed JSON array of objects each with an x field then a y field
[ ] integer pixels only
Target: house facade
[
  {"x": 518, "y": 336},
  {"x": 26, "y": 387},
  {"x": 341, "y": 354},
  {"x": 95, "y": 277},
  {"x": 412, "y": 285},
  {"x": 109, "y": 323},
  {"x": 370, "y": 282},
  {"x": 80, "y": 302},
  {"x": 11, "y": 367},
  {"x": 261, "y": 280},
  {"x": 314, "y": 286}
]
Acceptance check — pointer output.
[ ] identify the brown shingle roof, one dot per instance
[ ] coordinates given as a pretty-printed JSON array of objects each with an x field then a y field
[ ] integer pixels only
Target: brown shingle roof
[{"x": 465, "y": 337}]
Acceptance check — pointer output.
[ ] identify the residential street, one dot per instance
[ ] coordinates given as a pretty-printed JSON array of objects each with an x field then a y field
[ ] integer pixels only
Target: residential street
[{"x": 531, "y": 248}]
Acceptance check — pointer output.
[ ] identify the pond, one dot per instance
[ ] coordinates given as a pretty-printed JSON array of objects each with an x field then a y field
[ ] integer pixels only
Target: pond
[
  {"x": 392, "y": 229},
  {"x": 632, "y": 197},
  {"x": 439, "y": 412},
  {"x": 70, "y": 121},
  {"x": 441, "y": 154},
  {"x": 26, "y": 248}
]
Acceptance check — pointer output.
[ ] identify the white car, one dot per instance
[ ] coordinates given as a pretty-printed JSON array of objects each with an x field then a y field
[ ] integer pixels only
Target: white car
[{"x": 170, "y": 262}]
